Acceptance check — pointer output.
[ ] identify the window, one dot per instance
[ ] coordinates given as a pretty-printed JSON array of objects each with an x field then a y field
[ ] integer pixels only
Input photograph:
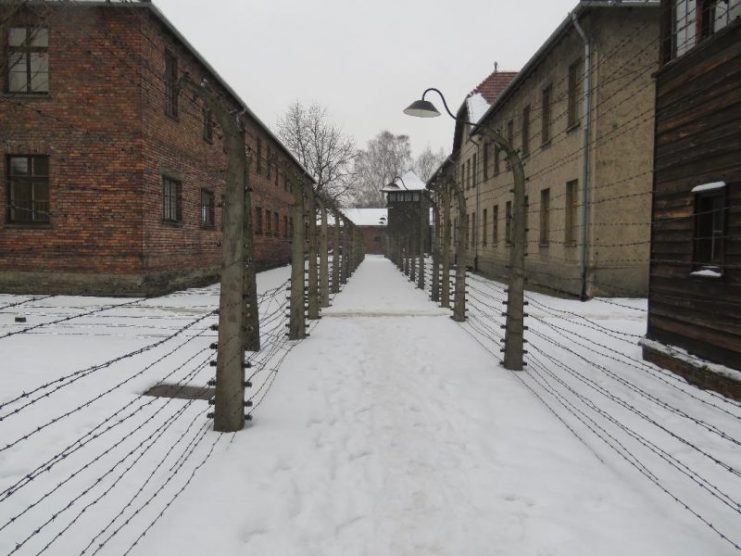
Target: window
[
  {"x": 286, "y": 187},
  {"x": 497, "y": 152},
  {"x": 526, "y": 130},
  {"x": 508, "y": 223},
  {"x": 208, "y": 126},
  {"x": 495, "y": 225},
  {"x": 545, "y": 217},
  {"x": 285, "y": 227},
  {"x": 207, "y": 208},
  {"x": 258, "y": 155},
  {"x": 468, "y": 174},
  {"x": 717, "y": 14},
  {"x": 276, "y": 224},
  {"x": 473, "y": 230},
  {"x": 269, "y": 163},
  {"x": 171, "y": 84},
  {"x": 28, "y": 189},
  {"x": 268, "y": 223},
  {"x": 684, "y": 26},
  {"x": 467, "y": 226},
  {"x": 487, "y": 153},
  {"x": 258, "y": 221},
  {"x": 709, "y": 234},
  {"x": 475, "y": 171},
  {"x": 172, "y": 191},
  {"x": 28, "y": 60},
  {"x": 510, "y": 138},
  {"x": 455, "y": 230},
  {"x": 572, "y": 200},
  {"x": 290, "y": 226},
  {"x": 574, "y": 94},
  {"x": 463, "y": 175},
  {"x": 545, "y": 131},
  {"x": 527, "y": 215},
  {"x": 484, "y": 229}
]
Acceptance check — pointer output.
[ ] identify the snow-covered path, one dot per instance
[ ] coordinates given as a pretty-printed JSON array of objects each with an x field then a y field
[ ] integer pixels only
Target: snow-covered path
[{"x": 392, "y": 432}]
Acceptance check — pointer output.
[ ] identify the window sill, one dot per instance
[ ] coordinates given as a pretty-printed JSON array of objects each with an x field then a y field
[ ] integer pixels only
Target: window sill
[
  {"x": 573, "y": 127},
  {"x": 173, "y": 117},
  {"x": 27, "y": 96},
  {"x": 570, "y": 245},
  {"x": 19, "y": 226},
  {"x": 545, "y": 145},
  {"x": 544, "y": 245},
  {"x": 208, "y": 227},
  {"x": 173, "y": 223}
]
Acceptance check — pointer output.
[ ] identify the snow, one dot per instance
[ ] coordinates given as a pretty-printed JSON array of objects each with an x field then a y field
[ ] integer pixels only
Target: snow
[
  {"x": 684, "y": 355},
  {"x": 708, "y": 186},
  {"x": 707, "y": 273},
  {"x": 366, "y": 216},
  {"x": 411, "y": 182},
  {"x": 477, "y": 107},
  {"x": 391, "y": 430}
]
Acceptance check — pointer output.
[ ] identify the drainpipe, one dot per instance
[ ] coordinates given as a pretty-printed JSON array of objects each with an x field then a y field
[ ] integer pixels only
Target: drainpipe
[{"x": 585, "y": 156}]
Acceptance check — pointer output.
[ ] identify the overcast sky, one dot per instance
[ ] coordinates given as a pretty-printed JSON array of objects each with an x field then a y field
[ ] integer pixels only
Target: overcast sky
[{"x": 365, "y": 60}]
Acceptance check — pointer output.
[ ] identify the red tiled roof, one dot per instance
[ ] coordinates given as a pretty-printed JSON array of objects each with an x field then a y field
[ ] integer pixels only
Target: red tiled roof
[{"x": 491, "y": 87}]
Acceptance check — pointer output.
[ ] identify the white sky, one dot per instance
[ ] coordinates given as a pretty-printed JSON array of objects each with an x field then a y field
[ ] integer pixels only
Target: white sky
[{"x": 365, "y": 60}]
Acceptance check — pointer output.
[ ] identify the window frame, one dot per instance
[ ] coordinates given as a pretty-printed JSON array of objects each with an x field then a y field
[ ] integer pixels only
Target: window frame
[
  {"x": 574, "y": 94},
  {"x": 508, "y": 223},
  {"x": 545, "y": 217},
  {"x": 258, "y": 221},
  {"x": 484, "y": 228},
  {"x": 39, "y": 216},
  {"x": 208, "y": 126},
  {"x": 27, "y": 50},
  {"x": 168, "y": 197},
  {"x": 721, "y": 194},
  {"x": 571, "y": 217},
  {"x": 171, "y": 89},
  {"x": 526, "y": 131},
  {"x": 547, "y": 104},
  {"x": 208, "y": 208}
]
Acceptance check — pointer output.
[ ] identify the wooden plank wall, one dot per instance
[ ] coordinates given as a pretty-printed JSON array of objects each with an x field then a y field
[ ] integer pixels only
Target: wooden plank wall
[{"x": 698, "y": 140}]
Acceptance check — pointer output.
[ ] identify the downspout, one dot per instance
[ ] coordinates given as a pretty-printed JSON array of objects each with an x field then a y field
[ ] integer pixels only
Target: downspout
[{"x": 585, "y": 156}]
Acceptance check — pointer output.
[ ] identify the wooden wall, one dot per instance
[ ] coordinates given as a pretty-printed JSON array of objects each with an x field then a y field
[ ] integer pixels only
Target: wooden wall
[{"x": 698, "y": 140}]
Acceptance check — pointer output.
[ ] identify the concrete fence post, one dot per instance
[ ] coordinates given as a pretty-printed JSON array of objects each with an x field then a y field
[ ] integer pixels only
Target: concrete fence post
[
  {"x": 312, "y": 257},
  {"x": 336, "y": 266},
  {"x": 323, "y": 257},
  {"x": 297, "y": 322}
]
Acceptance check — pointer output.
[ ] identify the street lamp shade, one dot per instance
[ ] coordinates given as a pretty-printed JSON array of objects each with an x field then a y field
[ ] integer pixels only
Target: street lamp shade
[{"x": 422, "y": 109}]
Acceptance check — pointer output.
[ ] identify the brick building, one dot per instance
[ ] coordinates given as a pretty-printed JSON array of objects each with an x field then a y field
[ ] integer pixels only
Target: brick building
[
  {"x": 113, "y": 179},
  {"x": 581, "y": 114}
]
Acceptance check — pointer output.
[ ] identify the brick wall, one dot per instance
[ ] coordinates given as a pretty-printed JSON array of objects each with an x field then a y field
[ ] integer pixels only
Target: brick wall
[{"x": 109, "y": 142}]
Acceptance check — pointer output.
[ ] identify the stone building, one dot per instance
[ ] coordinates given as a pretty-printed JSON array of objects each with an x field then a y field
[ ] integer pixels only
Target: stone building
[
  {"x": 112, "y": 178},
  {"x": 581, "y": 115}
]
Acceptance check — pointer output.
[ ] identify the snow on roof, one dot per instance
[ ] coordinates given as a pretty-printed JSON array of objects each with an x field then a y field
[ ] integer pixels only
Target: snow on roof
[
  {"x": 708, "y": 186},
  {"x": 367, "y": 216},
  {"x": 409, "y": 181},
  {"x": 362, "y": 216},
  {"x": 477, "y": 107}
]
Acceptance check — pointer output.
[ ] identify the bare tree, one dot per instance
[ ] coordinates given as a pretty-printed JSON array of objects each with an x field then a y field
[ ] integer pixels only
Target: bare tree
[
  {"x": 321, "y": 147},
  {"x": 386, "y": 156},
  {"x": 427, "y": 162}
]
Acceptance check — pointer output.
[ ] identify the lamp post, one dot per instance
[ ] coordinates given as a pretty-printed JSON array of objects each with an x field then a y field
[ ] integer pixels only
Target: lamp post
[{"x": 513, "y": 342}]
